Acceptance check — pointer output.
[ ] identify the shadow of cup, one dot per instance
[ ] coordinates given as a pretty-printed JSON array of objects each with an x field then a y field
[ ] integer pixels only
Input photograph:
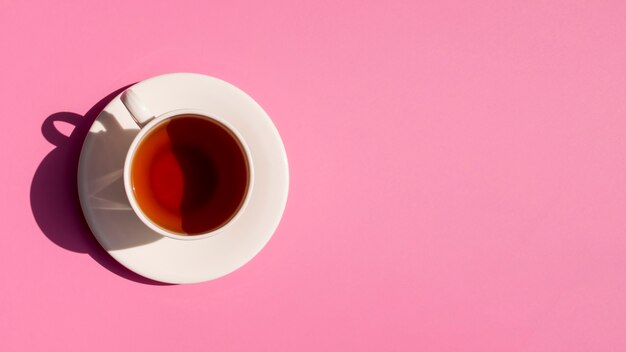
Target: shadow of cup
[{"x": 54, "y": 193}]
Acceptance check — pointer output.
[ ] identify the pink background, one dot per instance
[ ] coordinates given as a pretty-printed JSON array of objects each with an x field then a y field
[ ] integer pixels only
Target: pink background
[{"x": 458, "y": 175}]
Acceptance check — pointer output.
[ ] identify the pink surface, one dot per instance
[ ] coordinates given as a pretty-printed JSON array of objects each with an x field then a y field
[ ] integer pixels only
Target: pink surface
[{"x": 458, "y": 175}]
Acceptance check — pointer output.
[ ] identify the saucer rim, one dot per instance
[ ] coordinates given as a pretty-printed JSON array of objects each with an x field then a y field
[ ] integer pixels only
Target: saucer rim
[{"x": 270, "y": 228}]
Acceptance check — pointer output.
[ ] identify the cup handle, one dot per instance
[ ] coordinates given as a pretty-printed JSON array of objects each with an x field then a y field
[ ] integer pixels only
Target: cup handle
[{"x": 137, "y": 109}]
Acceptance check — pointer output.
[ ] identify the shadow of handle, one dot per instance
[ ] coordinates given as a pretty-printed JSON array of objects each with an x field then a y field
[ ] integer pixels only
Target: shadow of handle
[{"x": 50, "y": 131}]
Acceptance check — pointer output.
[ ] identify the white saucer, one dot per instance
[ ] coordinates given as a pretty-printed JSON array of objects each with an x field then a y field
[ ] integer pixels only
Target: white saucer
[{"x": 126, "y": 238}]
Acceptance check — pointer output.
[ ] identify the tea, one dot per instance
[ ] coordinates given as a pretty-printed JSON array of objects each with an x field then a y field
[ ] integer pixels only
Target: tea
[{"x": 190, "y": 175}]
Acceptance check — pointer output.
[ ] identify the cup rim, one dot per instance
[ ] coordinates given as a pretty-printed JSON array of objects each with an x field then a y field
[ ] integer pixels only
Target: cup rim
[{"x": 130, "y": 194}]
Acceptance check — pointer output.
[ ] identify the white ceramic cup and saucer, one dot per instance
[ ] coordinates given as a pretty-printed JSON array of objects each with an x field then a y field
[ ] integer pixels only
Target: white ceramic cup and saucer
[{"x": 117, "y": 220}]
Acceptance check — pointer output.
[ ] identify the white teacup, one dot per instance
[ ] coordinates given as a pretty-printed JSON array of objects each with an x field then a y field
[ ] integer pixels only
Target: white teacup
[{"x": 224, "y": 180}]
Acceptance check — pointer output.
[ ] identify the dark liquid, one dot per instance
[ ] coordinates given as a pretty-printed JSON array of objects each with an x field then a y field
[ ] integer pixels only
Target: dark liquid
[{"x": 190, "y": 175}]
